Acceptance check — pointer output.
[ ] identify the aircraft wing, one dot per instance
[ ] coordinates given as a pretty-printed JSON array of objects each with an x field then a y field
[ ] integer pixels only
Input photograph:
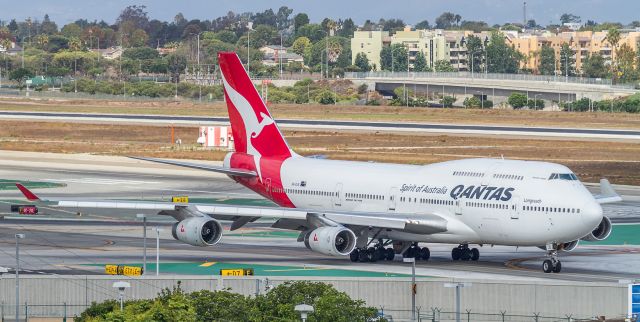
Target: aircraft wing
[
  {"x": 287, "y": 218},
  {"x": 212, "y": 168},
  {"x": 607, "y": 193}
]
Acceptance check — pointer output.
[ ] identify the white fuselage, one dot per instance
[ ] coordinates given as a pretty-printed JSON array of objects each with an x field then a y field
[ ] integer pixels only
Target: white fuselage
[{"x": 485, "y": 201}]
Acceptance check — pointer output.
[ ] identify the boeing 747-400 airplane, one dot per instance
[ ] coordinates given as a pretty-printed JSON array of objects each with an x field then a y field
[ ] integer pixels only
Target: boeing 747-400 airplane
[{"x": 359, "y": 209}]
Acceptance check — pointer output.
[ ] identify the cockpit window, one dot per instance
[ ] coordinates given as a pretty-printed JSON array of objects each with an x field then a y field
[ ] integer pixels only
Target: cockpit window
[{"x": 563, "y": 176}]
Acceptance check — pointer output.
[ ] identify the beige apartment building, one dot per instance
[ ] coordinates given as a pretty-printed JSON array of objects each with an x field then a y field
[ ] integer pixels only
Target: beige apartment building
[
  {"x": 582, "y": 43},
  {"x": 434, "y": 44},
  {"x": 370, "y": 43}
]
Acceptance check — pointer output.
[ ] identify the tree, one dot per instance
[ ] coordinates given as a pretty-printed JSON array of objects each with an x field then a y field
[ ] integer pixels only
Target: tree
[
  {"x": 472, "y": 102},
  {"x": 567, "y": 61},
  {"x": 282, "y": 18},
  {"x": 362, "y": 62},
  {"x": 20, "y": 75},
  {"x": 569, "y": 18},
  {"x": 226, "y": 36},
  {"x": 312, "y": 31},
  {"x": 71, "y": 30},
  {"x": 140, "y": 53},
  {"x": 393, "y": 58},
  {"x": 176, "y": 64},
  {"x": 475, "y": 52},
  {"x": 263, "y": 35},
  {"x": 347, "y": 29},
  {"x": 547, "y": 61},
  {"x": 501, "y": 57},
  {"x": 445, "y": 20},
  {"x": 517, "y": 100},
  {"x": 137, "y": 16},
  {"x": 47, "y": 26},
  {"x": 424, "y": 24},
  {"x": 420, "y": 63},
  {"x": 626, "y": 58},
  {"x": 443, "y": 66},
  {"x": 594, "y": 66},
  {"x": 475, "y": 26},
  {"x": 300, "y": 20},
  {"x": 531, "y": 24},
  {"x": 535, "y": 104},
  {"x": 326, "y": 97},
  {"x": 300, "y": 45},
  {"x": 393, "y": 25}
]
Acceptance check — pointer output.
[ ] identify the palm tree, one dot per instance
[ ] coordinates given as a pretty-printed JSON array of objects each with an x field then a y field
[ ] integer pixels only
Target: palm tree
[
  {"x": 457, "y": 18},
  {"x": 613, "y": 36}
]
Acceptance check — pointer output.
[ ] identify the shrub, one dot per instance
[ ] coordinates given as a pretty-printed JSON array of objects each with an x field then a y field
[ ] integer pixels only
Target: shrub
[
  {"x": 517, "y": 100},
  {"x": 448, "y": 101},
  {"x": 326, "y": 98}
]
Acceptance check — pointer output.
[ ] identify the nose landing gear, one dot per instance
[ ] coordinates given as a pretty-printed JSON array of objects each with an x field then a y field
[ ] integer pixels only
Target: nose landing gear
[{"x": 552, "y": 264}]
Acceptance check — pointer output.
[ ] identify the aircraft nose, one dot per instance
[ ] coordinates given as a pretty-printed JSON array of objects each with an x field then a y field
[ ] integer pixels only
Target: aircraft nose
[{"x": 592, "y": 215}]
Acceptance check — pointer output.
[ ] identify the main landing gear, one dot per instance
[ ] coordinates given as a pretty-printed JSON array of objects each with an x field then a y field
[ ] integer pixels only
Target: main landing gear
[
  {"x": 552, "y": 264},
  {"x": 464, "y": 253},
  {"x": 381, "y": 252},
  {"x": 372, "y": 254}
]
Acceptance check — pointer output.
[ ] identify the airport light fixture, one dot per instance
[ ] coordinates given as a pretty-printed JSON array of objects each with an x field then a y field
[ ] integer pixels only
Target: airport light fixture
[
  {"x": 18, "y": 237},
  {"x": 412, "y": 260},
  {"x": 144, "y": 242},
  {"x": 158, "y": 230},
  {"x": 304, "y": 310},
  {"x": 457, "y": 286},
  {"x": 121, "y": 286}
]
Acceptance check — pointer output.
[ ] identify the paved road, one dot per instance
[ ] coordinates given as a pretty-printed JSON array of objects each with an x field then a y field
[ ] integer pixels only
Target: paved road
[{"x": 332, "y": 124}]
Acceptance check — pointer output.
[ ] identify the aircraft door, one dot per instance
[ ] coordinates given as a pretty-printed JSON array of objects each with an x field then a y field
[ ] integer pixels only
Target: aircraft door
[
  {"x": 393, "y": 196},
  {"x": 516, "y": 207},
  {"x": 458, "y": 204},
  {"x": 337, "y": 197}
]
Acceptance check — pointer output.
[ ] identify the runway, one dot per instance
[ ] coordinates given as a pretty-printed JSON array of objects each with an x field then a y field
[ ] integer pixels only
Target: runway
[
  {"x": 333, "y": 124},
  {"x": 61, "y": 244}
]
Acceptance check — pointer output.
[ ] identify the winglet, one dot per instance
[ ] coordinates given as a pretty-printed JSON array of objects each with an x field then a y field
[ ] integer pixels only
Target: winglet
[{"x": 27, "y": 193}]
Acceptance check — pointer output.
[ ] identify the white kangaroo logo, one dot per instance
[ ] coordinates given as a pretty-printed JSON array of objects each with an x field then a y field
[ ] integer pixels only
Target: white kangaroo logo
[{"x": 253, "y": 127}]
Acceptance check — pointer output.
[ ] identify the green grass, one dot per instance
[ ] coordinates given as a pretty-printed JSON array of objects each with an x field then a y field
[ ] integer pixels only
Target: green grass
[
  {"x": 261, "y": 270},
  {"x": 11, "y": 184}
]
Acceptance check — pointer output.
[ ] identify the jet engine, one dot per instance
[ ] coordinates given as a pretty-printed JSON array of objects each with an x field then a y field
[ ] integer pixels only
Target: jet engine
[
  {"x": 601, "y": 232},
  {"x": 197, "y": 231},
  {"x": 333, "y": 241}
]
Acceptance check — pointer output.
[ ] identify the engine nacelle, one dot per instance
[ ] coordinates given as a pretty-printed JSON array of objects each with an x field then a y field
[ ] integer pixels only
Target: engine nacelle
[
  {"x": 565, "y": 247},
  {"x": 601, "y": 232},
  {"x": 335, "y": 241},
  {"x": 197, "y": 231}
]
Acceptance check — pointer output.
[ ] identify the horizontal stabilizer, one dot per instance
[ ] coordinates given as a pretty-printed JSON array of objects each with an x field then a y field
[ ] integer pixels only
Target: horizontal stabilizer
[{"x": 229, "y": 171}]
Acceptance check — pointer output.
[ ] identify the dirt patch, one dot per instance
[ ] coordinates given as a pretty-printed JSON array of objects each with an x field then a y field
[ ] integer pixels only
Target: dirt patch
[{"x": 591, "y": 160}]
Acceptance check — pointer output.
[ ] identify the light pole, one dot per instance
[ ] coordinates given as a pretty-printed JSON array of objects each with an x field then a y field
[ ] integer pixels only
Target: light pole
[
  {"x": 535, "y": 101},
  {"x": 481, "y": 99},
  {"x": 121, "y": 286},
  {"x": 144, "y": 242},
  {"x": 412, "y": 260},
  {"x": 248, "y": 56},
  {"x": 304, "y": 310},
  {"x": 158, "y": 230},
  {"x": 18, "y": 237},
  {"x": 280, "y": 54},
  {"x": 457, "y": 286}
]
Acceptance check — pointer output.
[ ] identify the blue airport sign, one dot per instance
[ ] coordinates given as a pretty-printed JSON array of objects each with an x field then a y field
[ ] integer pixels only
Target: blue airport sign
[{"x": 634, "y": 300}]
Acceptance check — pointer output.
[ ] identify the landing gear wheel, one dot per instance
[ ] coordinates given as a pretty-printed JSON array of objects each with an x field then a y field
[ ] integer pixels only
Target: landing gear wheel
[
  {"x": 456, "y": 253},
  {"x": 424, "y": 253},
  {"x": 557, "y": 268},
  {"x": 412, "y": 252},
  {"x": 362, "y": 256},
  {"x": 380, "y": 253},
  {"x": 547, "y": 266},
  {"x": 475, "y": 254},
  {"x": 355, "y": 255},
  {"x": 465, "y": 255},
  {"x": 389, "y": 254},
  {"x": 372, "y": 255}
]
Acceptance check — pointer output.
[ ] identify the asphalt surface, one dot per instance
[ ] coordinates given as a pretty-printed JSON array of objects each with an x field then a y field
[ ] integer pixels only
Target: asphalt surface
[
  {"x": 61, "y": 244},
  {"x": 311, "y": 124}
]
